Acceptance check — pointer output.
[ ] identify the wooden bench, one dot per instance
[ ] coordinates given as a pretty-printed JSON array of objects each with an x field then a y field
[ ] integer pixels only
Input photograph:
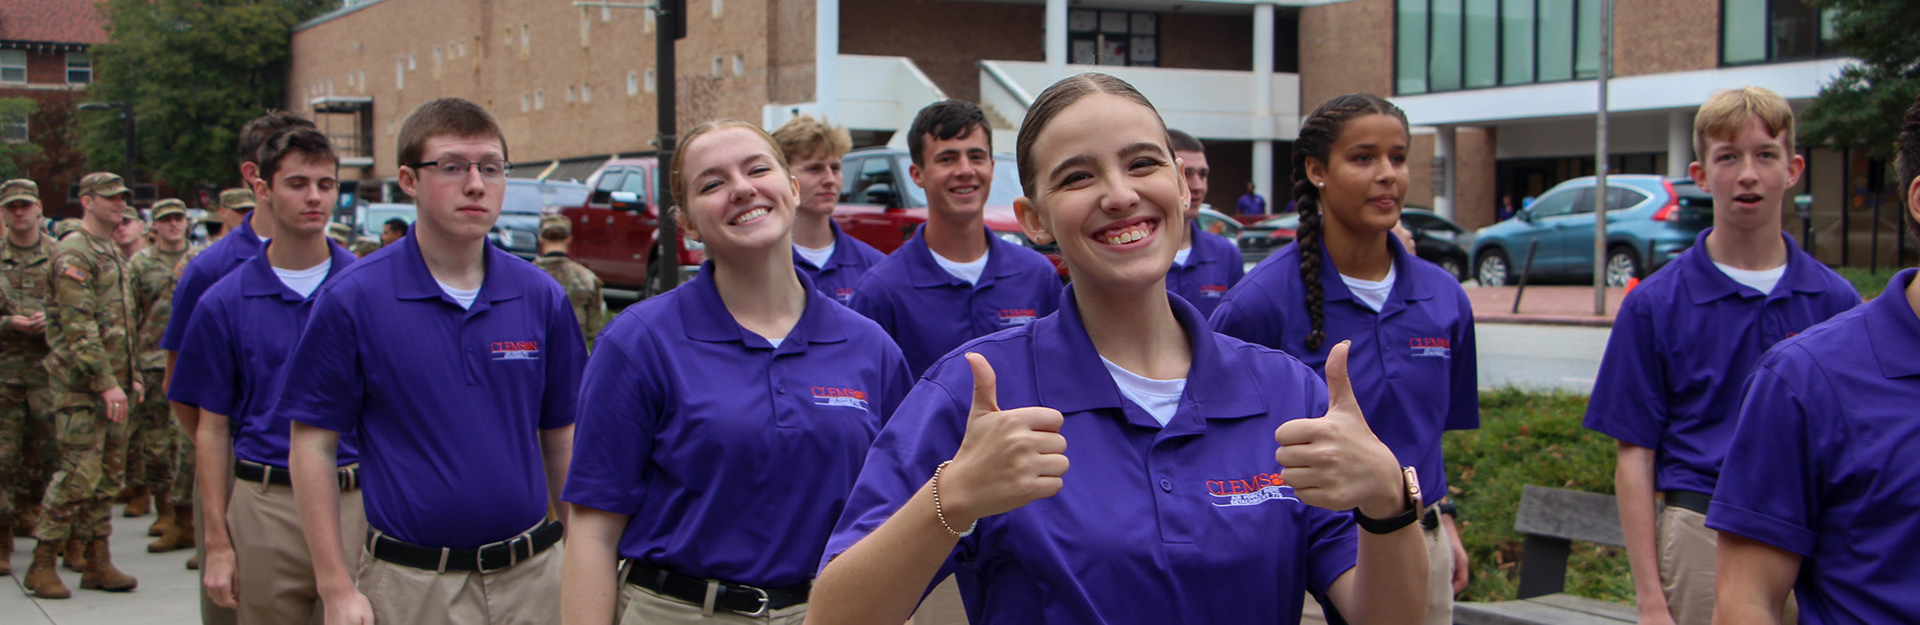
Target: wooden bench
[{"x": 1551, "y": 519}]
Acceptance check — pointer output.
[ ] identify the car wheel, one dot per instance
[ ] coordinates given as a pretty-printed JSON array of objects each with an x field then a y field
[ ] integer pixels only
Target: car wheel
[
  {"x": 1622, "y": 266},
  {"x": 654, "y": 285},
  {"x": 1456, "y": 266},
  {"x": 1493, "y": 269}
]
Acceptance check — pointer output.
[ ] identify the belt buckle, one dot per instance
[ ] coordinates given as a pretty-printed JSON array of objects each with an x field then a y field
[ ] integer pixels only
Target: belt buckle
[
  {"x": 480, "y": 556},
  {"x": 765, "y": 602}
]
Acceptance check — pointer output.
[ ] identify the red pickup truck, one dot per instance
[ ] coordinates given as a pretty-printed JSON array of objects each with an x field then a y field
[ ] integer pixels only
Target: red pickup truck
[
  {"x": 880, "y": 204},
  {"x": 614, "y": 232}
]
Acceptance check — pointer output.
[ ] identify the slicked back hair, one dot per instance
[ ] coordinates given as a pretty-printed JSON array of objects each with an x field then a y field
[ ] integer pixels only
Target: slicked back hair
[{"x": 1318, "y": 133}]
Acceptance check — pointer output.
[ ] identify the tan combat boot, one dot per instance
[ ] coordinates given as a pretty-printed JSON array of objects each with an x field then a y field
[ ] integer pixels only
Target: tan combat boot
[
  {"x": 179, "y": 534},
  {"x": 138, "y": 505},
  {"x": 43, "y": 577},
  {"x": 75, "y": 554},
  {"x": 162, "y": 518},
  {"x": 100, "y": 574}
]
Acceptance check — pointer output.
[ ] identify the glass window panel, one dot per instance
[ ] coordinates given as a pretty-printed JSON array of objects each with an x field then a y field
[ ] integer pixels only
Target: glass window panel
[
  {"x": 1483, "y": 43},
  {"x": 1443, "y": 63},
  {"x": 1586, "y": 59},
  {"x": 1410, "y": 67},
  {"x": 1796, "y": 30},
  {"x": 1556, "y": 40},
  {"x": 1743, "y": 34},
  {"x": 1516, "y": 41}
]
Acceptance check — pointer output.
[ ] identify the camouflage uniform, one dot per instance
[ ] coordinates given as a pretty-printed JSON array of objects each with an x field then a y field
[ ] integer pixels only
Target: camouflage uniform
[
  {"x": 153, "y": 435},
  {"x": 27, "y": 446},
  {"x": 581, "y": 284},
  {"x": 88, "y": 330}
]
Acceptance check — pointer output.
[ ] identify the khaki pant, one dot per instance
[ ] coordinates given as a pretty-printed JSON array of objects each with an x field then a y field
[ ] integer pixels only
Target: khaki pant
[
  {"x": 1439, "y": 582},
  {"x": 639, "y": 606},
  {"x": 93, "y": 459},
  {"x": 274, "y": 575},
  {"x": 27, "y": 446},
  {"x": 1686, "y": 549},
  {"x": 527, "y": 593}
]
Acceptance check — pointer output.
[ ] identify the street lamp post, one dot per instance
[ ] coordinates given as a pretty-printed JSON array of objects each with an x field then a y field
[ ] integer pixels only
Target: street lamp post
[{"x": 126, "y": 114}]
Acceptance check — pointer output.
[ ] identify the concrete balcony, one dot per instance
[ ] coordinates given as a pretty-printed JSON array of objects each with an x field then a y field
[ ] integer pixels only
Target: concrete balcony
[{"x": 1211, "y": 104}]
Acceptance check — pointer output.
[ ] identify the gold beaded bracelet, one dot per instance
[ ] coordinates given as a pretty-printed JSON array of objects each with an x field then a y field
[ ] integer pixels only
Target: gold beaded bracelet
[{"x": 940, "y": 513}]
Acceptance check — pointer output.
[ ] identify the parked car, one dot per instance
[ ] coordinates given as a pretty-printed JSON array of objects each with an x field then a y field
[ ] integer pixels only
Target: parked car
[
  {"x": 614, "y": 228},
  {"x": 880, "y": 204},
  {"x": 1262, "y": 238},
  {"x": 370, "y": 219},
  {"x": 1650, "y": 221},
  {"x": 1218, "y": 223},
  {"x": 518, "y": 229},
  {"x": 1439, "y": 240}
]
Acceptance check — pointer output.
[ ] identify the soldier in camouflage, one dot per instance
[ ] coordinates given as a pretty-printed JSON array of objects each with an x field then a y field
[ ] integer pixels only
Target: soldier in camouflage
[
  {"x": 582, "y": 286},
  {"x": 95, "y": 380},
  {"x": 27, "y": 447},
  {"x": 153, "y": 435}
]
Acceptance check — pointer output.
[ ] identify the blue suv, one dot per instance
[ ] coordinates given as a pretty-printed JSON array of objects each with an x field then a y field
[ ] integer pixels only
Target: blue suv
[{"x": 1650, "y": 220}]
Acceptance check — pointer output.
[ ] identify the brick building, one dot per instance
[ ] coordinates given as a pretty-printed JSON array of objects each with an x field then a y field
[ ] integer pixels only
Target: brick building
[{"x": 44, "y": 58}]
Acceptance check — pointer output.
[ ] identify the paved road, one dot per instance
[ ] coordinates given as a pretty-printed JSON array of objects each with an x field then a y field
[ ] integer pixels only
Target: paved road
[
  {"x": 165, "y": 596},
  {"x": 1540, "y": 357}
]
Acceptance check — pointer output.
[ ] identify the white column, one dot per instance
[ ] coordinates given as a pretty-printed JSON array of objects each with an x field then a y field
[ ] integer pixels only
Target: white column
[
  {"x": 1445, "y": 161},
  {"x": 1679, "y": 142},
  {"x": 1263, "y": 126},
  {"x": 1056, "y": 34},
  {"x": 826, "y": 58}
]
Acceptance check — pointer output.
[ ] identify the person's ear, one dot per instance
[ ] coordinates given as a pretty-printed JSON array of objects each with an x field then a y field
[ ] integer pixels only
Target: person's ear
[
  {"x": 1031, "y": 221},
  {"x": 1795, "y": 166},
  {"x": 409, "y": 179},
  {"x": 1316, "y": 173},
  {"x": 1698, "y": 172},
  {"x": 249, "y": 172}
]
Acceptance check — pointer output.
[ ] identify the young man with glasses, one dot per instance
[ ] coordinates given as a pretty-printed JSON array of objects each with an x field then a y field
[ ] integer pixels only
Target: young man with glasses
[{"x": 456, "y": 364}]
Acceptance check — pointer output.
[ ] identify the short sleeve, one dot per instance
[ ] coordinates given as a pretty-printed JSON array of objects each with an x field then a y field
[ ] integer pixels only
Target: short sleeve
[
  {"x": 1247, "y": 325},
  {"x": 621, "y": 401},
  {"x": 324, "y": 384},
  {"x": 872, "y": 300},
  {"x": 1464, "y": 396},
  {"x": 1769, "y": 487},
  {"x": 566, "y": 357},
  {"x": 924, "y": 431},
  {"x": 1629, "y": 396},
  {"x": 207, "y": 374},
  {"x": 1334, "y": 548}
]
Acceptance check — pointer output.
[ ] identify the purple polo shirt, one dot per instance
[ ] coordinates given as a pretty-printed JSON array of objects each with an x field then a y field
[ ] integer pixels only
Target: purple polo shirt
[
  {"x": 1412, "y": 364},
  {"x": 1213, "y": 265},
  {"x": 850, "y": 261},
  {"x": 1822, "y": 461},
  {"x": 731, "y": 457},
  {"x": 928, "y": 312},
  {"x": 237, "y": 344},
  {"x": 207, "y": 267},
  {"x": 448, "y": 402},
  {"x": 1683, "y": 342},
  {"x": 1186, "y": 523}
]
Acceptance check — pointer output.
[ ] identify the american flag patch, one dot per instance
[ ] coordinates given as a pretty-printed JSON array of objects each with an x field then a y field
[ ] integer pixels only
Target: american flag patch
[{"x": 78, "y": 274}]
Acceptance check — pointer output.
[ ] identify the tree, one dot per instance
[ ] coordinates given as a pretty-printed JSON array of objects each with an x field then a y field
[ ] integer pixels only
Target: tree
[
  {"x": 15, "y": 156},
  {"x": 196, "y": 71},
  {"x": 1864, "y": 105}
]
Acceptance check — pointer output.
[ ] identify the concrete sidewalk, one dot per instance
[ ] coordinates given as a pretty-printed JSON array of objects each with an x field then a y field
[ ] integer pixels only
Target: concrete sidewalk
[
  {"x": 168, "y": 592},
  {"x": 1549, "y": 305}
]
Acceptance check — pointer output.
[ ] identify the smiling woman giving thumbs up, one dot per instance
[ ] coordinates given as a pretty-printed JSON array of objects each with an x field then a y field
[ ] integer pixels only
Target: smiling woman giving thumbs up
[{"x": 1174, "y": 510}]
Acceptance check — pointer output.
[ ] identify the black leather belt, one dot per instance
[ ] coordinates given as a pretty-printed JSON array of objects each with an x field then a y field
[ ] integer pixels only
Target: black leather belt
[
  {"x": 1431, "y": 520},
  {"x": 486, "y": 558},
  {"x": 254, "y": 472},
  {"x": 741, "y": 598},
  {"x": 1689, "y": 500}
]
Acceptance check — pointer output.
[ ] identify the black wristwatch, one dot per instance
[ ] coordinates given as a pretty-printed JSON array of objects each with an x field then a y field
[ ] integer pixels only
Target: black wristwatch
[{"x": 1393, "y": 524}]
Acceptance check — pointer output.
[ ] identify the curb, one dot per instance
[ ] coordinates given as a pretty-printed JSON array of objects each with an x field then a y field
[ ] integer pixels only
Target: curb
[{"x": 1545, "y": 320}]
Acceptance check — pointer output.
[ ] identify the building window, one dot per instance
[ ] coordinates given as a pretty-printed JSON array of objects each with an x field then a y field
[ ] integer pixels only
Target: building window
[
  {"x": 739, "y": 64},
  {"x": 13, "y": 129},
  {"x": 1765, "y": 31},
  {"x": 13, "y": 67},
  {"x": 539, "y": 100},
  {"x": 586, "y": 93},
  {"x": 526, "y": 102},
  {"x": 633, "y": 83},
  {"x": 719, "y": 66},
  {"x": 569, "y": 94},
  {"x": 400, "y": 73},
  {"x": 1449, "y": 45},
  {"x": 716, "y": 8},
  {"x": 1113, "y": 37},
  {"x": 79, "y": 68},
  {"x": 650, "y": 80}
]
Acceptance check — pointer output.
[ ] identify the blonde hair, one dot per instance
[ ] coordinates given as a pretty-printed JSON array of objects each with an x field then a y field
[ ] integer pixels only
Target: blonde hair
[
  {"x": 1727, "y": 112},
  {"x": 676, "y": 173},
  {"x": 808, "y": 137}
]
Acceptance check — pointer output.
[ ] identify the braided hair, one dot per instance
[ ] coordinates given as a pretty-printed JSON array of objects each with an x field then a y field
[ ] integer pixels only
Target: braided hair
[{"x": 1317, "y": 136}]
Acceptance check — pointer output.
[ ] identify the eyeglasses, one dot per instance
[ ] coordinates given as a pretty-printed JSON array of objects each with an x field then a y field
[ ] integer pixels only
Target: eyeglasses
[{"x": 456, "y": 167}]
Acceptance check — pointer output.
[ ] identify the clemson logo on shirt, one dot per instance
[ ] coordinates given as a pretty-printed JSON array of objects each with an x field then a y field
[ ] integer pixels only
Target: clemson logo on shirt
[
  {"x": 1213, "y": 291},
  {"x": 1252, "y": 491},
  {"x": 843, "y": 295},
  {"x": 516, "y": 350},
  {"x": 1437, "y": 347},
  {"x": 1010, "y": 317},
  {"x": 838, "y": 396}
]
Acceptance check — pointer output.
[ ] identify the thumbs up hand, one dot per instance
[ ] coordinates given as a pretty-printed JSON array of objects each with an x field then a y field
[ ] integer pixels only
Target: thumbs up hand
[
  {"x": 1009, "y": 458},
  {"x": 1335, "y": 461}
]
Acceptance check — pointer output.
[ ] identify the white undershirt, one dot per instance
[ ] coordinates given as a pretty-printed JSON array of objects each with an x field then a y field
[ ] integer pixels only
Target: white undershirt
[
  {"x": 815, "y": 256},
  {"x": 464, "y": 297},
  {"x": 1762, "y": 281},
  {"x": 1180, "y": 257},
  {"x": 1159, "y": 398},
  {"x": 968, "y": 272},
  {"x": 305, "y": 281},
  {"x": 1371, "y": 294},
  {"x": 776, "y": 342}
]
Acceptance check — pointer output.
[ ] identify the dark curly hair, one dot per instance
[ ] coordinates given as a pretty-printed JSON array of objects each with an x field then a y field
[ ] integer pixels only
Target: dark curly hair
[
  {"x": 1317, "y": 136},
  {"x": 1907, "y": 164}
]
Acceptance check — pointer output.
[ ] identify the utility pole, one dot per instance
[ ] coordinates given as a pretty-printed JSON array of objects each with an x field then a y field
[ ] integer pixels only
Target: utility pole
[{"x": 1600, "y": 163}]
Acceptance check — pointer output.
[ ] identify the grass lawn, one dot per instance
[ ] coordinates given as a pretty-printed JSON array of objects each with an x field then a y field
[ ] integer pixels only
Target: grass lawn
[
  {"x": 1868, "y": 284},
  {"x": 1529, "y": 438}
]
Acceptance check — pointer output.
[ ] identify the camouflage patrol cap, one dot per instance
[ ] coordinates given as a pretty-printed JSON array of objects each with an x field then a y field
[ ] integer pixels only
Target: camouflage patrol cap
[
  {"x": 168, "y": 207},
  {"x": 130, "y": 214},
  {"x": 103, "y": 184},
  {"x": 237, "y": 200},
  {"x": 65, "y": 227},
  {"x": 555, "y": 227},
  {"x": 16, "y": 190},
  {"x": 340, "y": 233}
]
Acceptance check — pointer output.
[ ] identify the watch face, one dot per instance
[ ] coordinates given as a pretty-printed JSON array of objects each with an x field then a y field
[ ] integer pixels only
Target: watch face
[{"x": 1413, "y": 487}]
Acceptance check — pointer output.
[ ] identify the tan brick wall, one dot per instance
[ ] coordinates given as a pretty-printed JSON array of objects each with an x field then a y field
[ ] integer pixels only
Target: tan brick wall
[
  {"x": 968, "y": 33},
  {"x": 1345, "y": 47},
  {"x": 1420, "y": 171},
  {"x": 1473, "y": 188},
  {"x": 790, "y": 31},
  {"x": 1660, "y": 36},
  {"x": 1206, "y": 41}
]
